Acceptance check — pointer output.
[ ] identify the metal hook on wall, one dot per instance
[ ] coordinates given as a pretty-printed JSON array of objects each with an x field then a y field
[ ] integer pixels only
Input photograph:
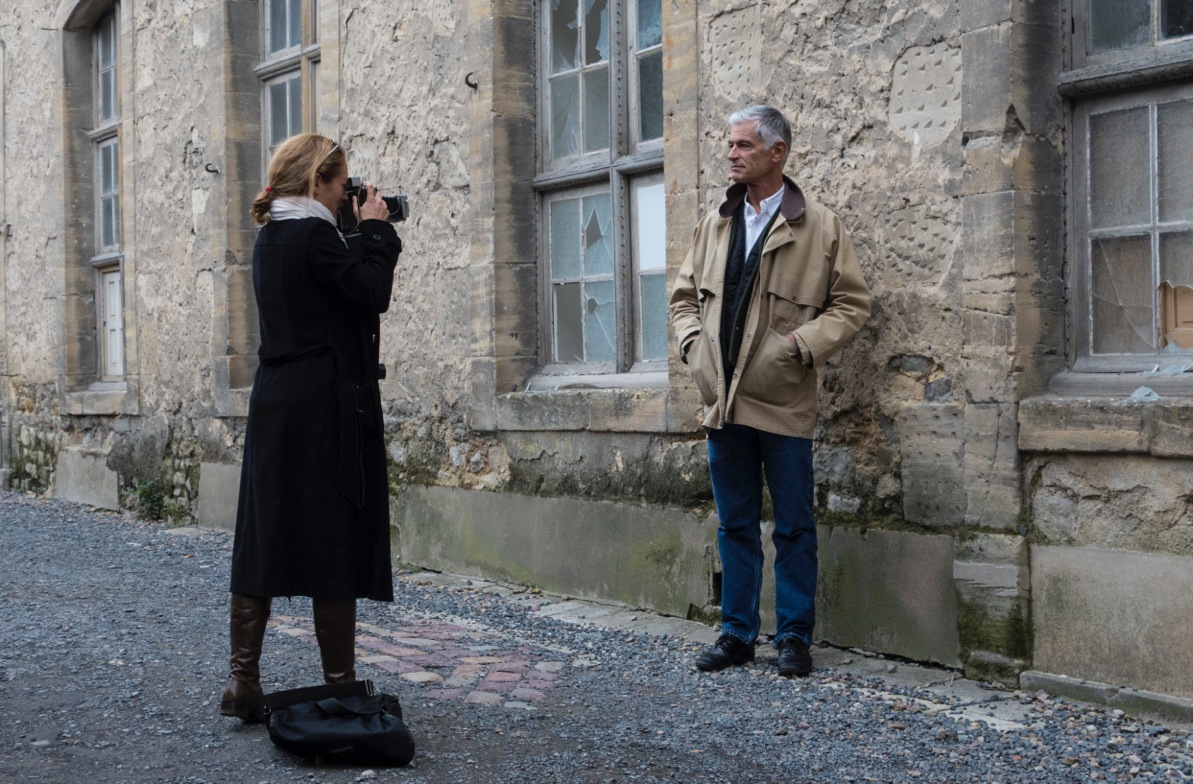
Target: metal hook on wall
[
  {"x": 470, "y": 80},
  {"x": 211, "y": 168}
]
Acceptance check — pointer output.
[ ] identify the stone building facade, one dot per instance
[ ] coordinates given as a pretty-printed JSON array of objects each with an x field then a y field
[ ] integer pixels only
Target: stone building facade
[{"x": 994, "y": 493}]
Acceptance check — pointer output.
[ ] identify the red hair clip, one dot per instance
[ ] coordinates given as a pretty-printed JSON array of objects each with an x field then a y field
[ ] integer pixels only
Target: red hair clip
[{"x": 268, "y": 189}]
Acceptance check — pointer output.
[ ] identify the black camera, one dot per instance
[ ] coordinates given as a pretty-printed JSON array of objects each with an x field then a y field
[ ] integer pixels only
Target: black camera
[{"x": 356, "y": 191}]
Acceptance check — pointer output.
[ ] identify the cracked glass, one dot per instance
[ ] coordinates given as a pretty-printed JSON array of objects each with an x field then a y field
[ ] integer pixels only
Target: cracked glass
[
  {"x": 598, "y": 228},
  {"x": 600, "y": 321},
  {"x": 565, "y": 34},
  {"x": 596, "y": 31},
  {"x": 1122, "y": 295}
]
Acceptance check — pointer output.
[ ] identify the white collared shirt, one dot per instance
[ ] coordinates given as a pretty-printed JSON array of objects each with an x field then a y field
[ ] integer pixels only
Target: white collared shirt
[{"x": 756, "y": 221}]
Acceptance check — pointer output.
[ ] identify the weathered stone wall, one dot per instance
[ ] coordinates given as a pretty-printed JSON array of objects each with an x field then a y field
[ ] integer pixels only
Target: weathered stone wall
[{"x": 933, "y": 129}]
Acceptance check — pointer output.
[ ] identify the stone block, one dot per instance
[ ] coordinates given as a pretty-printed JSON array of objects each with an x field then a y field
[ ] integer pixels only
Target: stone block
[
  {"x": 1038, "y": 56},
  {"x": 925, "y": 103},
  {"x": 986, "y": 71},
  {"x": 988, "y": 223},
  {"x": 976, "y": 14},
  {"x": 219, "y": 493},
  {"x": 888, "y": 591},
  {"x": 992, "y": 581},
  {"x": 989, "y": 373},
  {"x": 1172, "y": 431},
  {"x": 1066, "y": 425},
  {"x": 932, "y": 441},
  {"x": 1129, "y": 502},
  {"x": 84, "y": 477},
  {"x": 1114, "y": 616},
  {"x": 993, "y": 474},
  {"x": 643, "y": 556},
  {"x": 1018, "y": 162}
]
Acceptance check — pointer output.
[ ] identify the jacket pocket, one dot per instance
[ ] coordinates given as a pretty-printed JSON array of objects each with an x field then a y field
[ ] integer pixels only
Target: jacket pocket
[
  {"x": 787, "y": 315},
  {"x": 702, "y": 361},
  {"x": 774, "y": 373}
]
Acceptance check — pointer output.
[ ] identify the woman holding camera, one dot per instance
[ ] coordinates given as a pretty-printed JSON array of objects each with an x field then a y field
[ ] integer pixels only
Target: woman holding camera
[{"x": 313, "y": 517}]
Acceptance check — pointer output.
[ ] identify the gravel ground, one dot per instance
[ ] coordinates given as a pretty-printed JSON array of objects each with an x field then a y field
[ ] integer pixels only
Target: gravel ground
[{"x": 113, "y": 654}]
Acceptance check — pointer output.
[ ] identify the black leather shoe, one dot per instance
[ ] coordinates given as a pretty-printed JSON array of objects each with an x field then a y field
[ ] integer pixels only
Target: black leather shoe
[
  {"x": 727, "y": 651},
  {"x": 794, "y": 658}
]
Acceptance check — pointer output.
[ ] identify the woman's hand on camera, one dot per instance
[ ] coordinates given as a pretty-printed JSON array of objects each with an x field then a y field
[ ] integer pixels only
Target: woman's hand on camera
[{"x": 374, "y": 207}]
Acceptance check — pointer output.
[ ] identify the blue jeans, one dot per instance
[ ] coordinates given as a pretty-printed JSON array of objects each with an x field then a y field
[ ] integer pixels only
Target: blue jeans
[{"x": 737, "y": 456}]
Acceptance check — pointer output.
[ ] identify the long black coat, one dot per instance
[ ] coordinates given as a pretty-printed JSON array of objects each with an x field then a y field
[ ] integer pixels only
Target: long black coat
[{"x": 313, "y": 517}]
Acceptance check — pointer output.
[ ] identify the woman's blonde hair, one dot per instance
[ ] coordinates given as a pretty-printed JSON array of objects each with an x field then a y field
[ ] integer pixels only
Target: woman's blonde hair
[{"x": 297, "y": 164}]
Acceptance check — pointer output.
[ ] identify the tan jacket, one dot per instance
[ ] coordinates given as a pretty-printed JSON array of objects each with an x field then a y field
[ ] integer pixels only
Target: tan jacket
[{"x": 808, "y": 282}]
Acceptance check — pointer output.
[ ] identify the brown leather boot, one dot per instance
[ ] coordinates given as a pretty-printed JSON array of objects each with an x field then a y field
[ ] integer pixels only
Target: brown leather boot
[
  {"x": 335, "y": 629},
  {"x": 242, "y": 696}
]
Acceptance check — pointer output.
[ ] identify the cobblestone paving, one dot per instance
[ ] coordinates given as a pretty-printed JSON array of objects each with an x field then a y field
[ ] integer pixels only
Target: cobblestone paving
[{"x": 449, "y": 661}]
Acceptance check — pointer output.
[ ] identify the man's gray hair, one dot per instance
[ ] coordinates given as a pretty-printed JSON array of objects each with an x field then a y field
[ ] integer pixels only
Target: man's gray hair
[{"x": 769, "y": 123}]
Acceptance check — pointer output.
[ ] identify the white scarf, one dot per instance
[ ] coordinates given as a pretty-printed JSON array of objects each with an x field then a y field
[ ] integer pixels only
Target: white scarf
[{"x": 298, "y": 207}]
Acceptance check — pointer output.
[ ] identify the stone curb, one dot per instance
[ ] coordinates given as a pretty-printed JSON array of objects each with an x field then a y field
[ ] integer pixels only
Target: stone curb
[{"x": 1135, "y": 702}]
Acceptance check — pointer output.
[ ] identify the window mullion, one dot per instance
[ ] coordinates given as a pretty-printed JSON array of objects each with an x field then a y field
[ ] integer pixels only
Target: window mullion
[{"x": 1154, "y": 175}]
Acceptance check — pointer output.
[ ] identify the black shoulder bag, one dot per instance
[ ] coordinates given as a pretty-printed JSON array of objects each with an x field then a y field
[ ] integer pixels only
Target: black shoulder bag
[{"x": 340, "y": 723}]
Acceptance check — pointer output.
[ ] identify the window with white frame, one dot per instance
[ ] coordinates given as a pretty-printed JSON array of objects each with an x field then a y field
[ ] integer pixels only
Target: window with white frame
[
  {"x": 600, "y": 182},
  {"x": 289, "y": 70},
  {"x": 1131, "y": 178},
  {"x": 108, "y": 251}
]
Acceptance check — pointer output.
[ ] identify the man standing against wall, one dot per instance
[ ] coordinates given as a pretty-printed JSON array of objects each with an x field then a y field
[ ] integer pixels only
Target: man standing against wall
[{"x": 770, "y": 289}]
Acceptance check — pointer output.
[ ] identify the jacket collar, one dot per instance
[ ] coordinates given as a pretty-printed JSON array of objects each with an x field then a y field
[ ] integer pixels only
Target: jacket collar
[{"x": 792, "y": 207}]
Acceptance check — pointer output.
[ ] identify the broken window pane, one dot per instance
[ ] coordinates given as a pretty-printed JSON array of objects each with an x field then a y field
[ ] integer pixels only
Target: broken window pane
[
  {"x": 653, "y": 292},
  {"x": 650, "y": 23},
  {"x": 1122, "y": 295},
  {"x": 596, "y": 109},
  {"x": 565, "y": 239},
  {"x": 565, "y": 116},
  {"x": 598, "y": 231},
  {"x": 1176, "y": 318},
  {"x": 596, "y": 31},
  {"x": 600, "y": 322},
  {"x": 1175, "y": 134},
  {"x": 650, "y": 96},
  {"x": 1118, "y": 168},
  {"x": 1176, "y": 18},
  {"x": 1114, "y": 24},
  {"x": 569, "y": 314},
  {"x": 565, "y": 34}
]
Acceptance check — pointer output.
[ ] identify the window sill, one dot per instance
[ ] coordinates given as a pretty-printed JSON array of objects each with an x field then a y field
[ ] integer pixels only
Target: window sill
[
  {"x": 1078, "y": 384},
  {"x": 618, "y": 403},
  {"x": 1161, "y": 427},
  {"x": 101, "y": 399}
]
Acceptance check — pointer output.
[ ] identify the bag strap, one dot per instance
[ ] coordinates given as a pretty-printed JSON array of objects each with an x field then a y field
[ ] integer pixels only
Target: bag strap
[
  {"x": 284, "y": 699},
  {"x": 333, "y": 707}
]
